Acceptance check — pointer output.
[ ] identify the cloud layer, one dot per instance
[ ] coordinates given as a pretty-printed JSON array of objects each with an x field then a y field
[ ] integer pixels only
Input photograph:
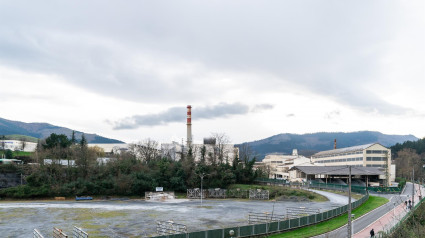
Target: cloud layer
[
  {"x": 178, "y": 114},
  {"x": 180, "y": 51}
]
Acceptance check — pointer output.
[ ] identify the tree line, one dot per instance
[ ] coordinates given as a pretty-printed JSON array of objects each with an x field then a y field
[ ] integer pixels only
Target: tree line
[
  {"x": 74, "y": 170},
  {"x": 408, "y": 156}
]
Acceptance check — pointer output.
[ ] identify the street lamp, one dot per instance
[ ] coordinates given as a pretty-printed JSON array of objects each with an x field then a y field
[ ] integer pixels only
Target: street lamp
[
  {"x": 202, "y": 175},
  {"x": 394, "y": 214}
]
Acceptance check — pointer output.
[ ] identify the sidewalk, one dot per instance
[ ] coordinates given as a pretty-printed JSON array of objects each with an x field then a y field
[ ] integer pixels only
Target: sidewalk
[{"x": 388, "y": 220}]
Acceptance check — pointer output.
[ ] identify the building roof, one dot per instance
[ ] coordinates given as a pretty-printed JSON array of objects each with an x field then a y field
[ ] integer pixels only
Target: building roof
[
  {"x": 344, "y": 150},
  {"x": 339, "y": 170}
]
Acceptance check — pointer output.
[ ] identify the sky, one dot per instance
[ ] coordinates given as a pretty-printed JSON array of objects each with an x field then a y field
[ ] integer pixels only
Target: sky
[{"x": 250, "y": 69}]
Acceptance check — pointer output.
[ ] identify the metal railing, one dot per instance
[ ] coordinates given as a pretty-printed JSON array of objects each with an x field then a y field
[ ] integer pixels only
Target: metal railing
[
  {"x": 58, "y": 233},
  {"x": 37, "y": 234},
  {"x": 79, "y": 233}
]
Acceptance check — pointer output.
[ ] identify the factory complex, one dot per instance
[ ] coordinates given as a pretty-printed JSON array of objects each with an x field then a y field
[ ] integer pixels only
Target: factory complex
[
  {"x": 371, "y": 163},
  {"x": 370, "y": 166}
]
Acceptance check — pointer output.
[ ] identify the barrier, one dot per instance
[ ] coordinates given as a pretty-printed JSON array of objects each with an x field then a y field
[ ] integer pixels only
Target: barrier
[
  {"x": 169, "y": 227},
  {"x": 309, "y": 218},
  {"x": 79, "y": 233},
  {"x": 58, "y": 233},
  {"x": 37, "y": 234}
]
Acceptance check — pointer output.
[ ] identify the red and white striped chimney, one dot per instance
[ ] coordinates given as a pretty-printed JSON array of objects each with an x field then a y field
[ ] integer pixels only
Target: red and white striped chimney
[{"x": 189, "y": 125}]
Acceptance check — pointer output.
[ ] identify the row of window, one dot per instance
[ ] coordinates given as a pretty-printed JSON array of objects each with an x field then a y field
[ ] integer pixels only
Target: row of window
[
  {"x": 341, "y": 160},
  {"x": 374, "y": 165},
  {"x": 376, "y": 159},
  {"x": 376, "y": 151},
  {"x": 340, "y": 154}
]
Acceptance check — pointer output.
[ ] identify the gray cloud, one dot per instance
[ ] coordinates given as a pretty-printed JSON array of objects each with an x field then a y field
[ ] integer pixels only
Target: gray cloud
[
  {"x": 290, "y": 115},
  {"x": 154, "y": 52},
  {"x": 333, "y": 114},
  {"x": 178, "y": 114}
]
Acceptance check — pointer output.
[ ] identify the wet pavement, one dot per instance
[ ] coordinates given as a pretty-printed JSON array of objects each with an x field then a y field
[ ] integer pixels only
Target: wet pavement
[{"x": 137, "y": 218}]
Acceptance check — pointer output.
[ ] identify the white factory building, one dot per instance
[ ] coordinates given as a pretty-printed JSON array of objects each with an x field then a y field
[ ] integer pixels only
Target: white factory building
[
  {"x": 369, "y": 155},
  {"x": 18, "y": 145},
  {"x": 278, "y": 165}
]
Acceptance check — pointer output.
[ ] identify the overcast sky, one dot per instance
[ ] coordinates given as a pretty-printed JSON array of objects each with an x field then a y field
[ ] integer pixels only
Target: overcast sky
[{"x": 250, "y": 69}]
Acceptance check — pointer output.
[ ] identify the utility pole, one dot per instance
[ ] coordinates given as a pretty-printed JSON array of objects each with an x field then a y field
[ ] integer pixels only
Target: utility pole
[
  {"x": 349, "y": 202},
  {"x": 413, "y": 189},
  {"x": 202, "y": 179}
]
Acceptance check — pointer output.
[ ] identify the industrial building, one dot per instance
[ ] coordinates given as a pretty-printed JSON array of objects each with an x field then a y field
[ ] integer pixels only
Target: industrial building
[
  {"x": 361, "y": 176},
  {"x": 210, "y": 150},
  {"x": 370, "y": 155},
  {"x": 18, "y": 145},
  {"x": 278, "y": 165}
]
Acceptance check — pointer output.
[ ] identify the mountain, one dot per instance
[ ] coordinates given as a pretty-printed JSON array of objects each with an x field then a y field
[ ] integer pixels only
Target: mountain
[
  {"x": 43, "y": 130},
  {"x": 308, "y": 144}
]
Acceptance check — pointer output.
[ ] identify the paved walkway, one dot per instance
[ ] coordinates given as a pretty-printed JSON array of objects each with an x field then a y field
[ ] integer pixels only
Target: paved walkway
[{"x": 388, "y": 220}]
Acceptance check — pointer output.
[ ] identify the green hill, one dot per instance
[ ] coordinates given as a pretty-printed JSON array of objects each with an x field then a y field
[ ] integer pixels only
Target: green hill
[
  {"x": 43, "y": 130},
  {"x": 308, "y": 144}
]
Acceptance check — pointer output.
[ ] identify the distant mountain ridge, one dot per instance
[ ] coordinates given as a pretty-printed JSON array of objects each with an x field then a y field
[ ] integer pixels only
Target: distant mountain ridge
[
  {"x": 308, "y": 144},
  {"x": 43, "y": 130}
]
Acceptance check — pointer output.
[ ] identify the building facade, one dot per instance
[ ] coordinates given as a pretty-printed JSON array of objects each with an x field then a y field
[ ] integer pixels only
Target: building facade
[
  {"x": 369, "y": 155},
  {"x": 278, "y": 165}
]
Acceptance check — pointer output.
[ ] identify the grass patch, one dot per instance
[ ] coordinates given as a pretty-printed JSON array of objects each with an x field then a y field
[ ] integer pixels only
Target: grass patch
[
  {"x": 323, "y": 227},
  {"x": 278, "y": 191},
  {"x": 84, "y": 214}
]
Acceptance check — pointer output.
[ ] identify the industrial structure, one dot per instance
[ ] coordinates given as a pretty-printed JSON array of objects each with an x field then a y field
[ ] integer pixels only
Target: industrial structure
[
  {"x": 189, "y": 125},
  {"x": 210, "y": 150},
  {"x": 278, "y": 165},
  {"x": 371, "y": 166},
  {"x": 369, "y": 155},
  {"x": 18, "y": 145}
]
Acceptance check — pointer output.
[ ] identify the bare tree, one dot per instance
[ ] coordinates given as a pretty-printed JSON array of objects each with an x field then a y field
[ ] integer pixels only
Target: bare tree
[
  {"x": 246, "y": 153},
  {"x": 145, "y": 150},
  {"x": 221, "y": 151},
  {"x": 23, "y": 143}
]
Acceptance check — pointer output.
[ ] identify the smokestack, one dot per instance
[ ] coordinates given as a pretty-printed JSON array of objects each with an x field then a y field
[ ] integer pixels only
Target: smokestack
[
  {"x": 189, "y": 125},
  {"x": 335, "y": 144}
]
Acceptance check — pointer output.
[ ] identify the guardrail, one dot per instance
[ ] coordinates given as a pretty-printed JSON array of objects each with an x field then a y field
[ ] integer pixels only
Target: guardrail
[{"x": 270, "y": 227}]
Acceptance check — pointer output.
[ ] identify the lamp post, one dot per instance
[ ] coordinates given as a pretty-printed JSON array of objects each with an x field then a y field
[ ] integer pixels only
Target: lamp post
[
  {"x": 202, "y": 175},
  {"x": 352, "y": 224},
  {"x": 394, "y": 214}
]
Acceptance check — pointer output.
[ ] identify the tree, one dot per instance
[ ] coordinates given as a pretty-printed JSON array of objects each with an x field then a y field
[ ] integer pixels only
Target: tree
[
  {"x": 85, "y": 156},
  {"x": 3, "y": 142},
  {"x": 146, "y": 150},
  {"x": 406, "y": 160},
  {"x": 220, "y": 149},
  {"x": 23, "y": 143},
  {"x": 55, "y": 140},
  {"x": 73, "y": 140},
  {"x": 9, "y": 154}
]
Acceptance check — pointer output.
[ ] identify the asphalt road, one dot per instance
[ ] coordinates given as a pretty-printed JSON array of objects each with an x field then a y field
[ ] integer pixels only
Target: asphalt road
[{"x": 364, "y": 221}]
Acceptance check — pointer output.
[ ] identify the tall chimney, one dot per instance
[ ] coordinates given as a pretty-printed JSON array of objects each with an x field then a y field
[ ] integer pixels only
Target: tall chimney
[
  {"x": 335, "y": 144},
  {"x": 189, "y": 125}
]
